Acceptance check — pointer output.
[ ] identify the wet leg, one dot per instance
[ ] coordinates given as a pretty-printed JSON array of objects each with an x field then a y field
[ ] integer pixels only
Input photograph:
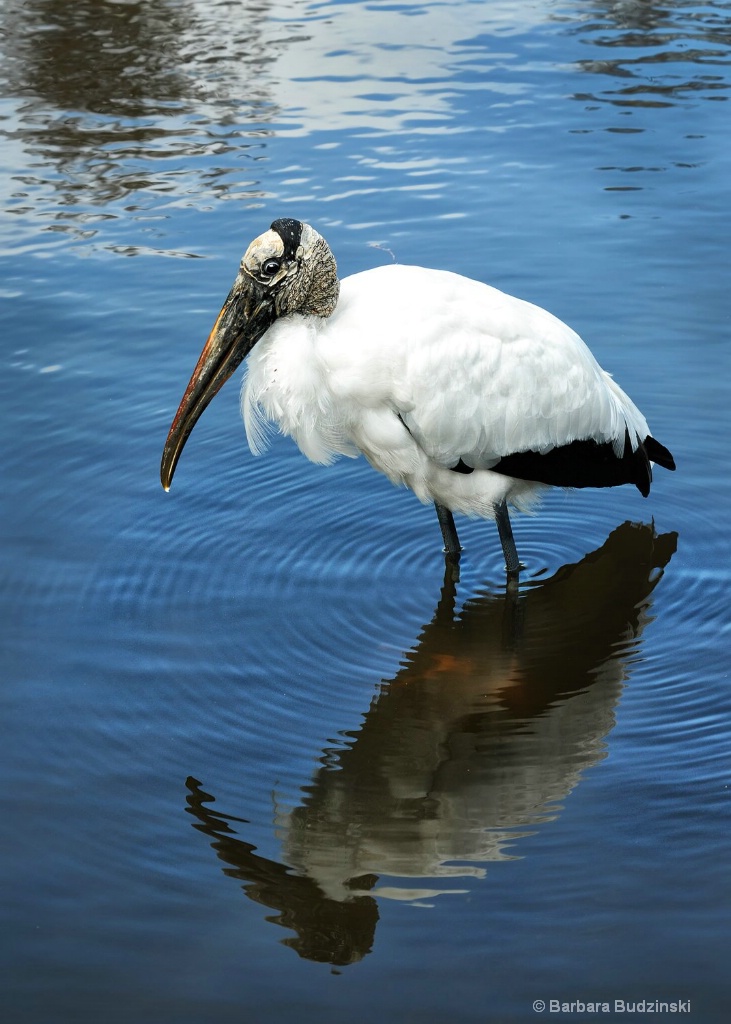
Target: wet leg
[
  {"x": 452, "y": 546},
  {"x": 513, "y": 565}
]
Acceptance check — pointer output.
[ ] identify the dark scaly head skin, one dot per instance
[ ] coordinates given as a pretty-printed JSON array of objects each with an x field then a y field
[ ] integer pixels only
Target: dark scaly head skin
[{"x": 288, "y": 269}]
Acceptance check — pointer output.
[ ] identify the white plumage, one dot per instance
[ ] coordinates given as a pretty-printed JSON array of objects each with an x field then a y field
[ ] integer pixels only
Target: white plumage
[
  {"x": 416, "y": 369},
  {"x": 435, "y": 378}
]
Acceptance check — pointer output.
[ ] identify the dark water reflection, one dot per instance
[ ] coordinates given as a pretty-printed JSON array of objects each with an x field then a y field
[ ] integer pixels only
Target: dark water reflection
[
  {"x": 667, "y": 51},
  {"x": 110, "y": 90},
  {"x": 120, "y": 60},
  {"x": 128, "y": 102},
  {"x": 484, "y": 731}
]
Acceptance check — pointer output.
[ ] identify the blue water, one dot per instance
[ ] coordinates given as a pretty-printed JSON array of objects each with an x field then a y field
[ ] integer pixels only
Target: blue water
[{"x": 263, "y": 761}]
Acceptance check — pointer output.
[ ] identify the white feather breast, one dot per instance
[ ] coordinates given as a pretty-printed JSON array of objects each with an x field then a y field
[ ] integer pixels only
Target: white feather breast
[{"x": 286, "y": 384}]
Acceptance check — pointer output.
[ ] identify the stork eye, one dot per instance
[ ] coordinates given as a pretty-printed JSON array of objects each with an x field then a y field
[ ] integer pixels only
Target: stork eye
[{"x": 270, "y": 267}]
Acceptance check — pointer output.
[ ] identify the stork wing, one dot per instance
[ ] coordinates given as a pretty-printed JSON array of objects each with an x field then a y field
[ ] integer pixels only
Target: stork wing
[{"x": 498, "y": 376}]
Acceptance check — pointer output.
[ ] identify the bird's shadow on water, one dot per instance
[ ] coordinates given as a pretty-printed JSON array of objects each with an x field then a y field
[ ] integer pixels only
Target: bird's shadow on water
[{"x": 487, "y": 726}]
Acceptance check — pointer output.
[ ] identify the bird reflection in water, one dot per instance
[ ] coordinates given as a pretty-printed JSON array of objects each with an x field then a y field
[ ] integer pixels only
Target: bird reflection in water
[{"x": 487, "y": 726}]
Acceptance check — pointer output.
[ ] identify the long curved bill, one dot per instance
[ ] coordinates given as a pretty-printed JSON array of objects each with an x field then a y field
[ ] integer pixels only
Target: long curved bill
[{"x": 246, "y": 314}]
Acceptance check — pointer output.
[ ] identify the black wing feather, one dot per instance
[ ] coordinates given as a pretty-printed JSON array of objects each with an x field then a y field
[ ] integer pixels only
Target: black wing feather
[{"x": 586, "y": 463}]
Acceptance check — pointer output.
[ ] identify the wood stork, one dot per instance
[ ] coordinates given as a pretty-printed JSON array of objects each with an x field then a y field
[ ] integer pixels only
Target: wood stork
[{"x": 472, "y": 398}]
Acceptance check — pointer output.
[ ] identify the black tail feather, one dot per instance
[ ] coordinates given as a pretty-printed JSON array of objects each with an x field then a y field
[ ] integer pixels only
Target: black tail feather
[
  {"x": 586, "y": 463},
  {"x": 658, "y": 453}
]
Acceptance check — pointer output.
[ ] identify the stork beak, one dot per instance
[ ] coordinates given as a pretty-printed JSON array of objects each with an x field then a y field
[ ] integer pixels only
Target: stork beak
[{"x": 247, "y": 313}]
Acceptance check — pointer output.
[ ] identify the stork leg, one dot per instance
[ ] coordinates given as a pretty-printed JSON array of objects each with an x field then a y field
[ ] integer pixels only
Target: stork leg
[
  {"x": 452, "y": 546},
  {"x": 513, "y": 565}
]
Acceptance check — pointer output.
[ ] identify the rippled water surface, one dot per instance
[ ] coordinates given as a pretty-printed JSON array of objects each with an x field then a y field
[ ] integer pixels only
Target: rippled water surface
[{"x": 264, "y": 760}]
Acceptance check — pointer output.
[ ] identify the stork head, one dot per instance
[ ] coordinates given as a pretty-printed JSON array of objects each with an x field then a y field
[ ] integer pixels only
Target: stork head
[{"x": 288, "y": 269}]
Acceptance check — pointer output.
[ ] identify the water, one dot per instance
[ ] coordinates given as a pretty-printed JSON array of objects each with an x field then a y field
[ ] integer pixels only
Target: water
[{"x": 262, "y": 760}]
